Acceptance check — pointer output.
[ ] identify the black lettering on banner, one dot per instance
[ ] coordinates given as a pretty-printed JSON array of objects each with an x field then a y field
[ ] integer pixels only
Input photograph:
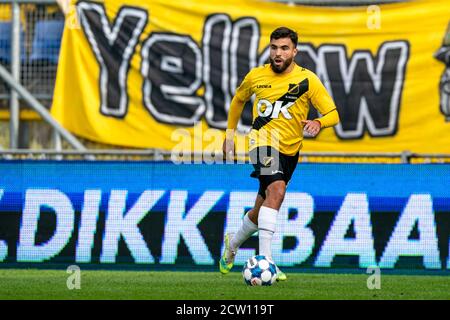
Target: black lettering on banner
[
  {"x": 230, "y": 51},
  {"x": 243, "y": 57},
  {"x": 443, "y": 55},
  {"x": 171, "y": 68},
  {"x": 216, "y": 43},
  {"x": 264, "y": 56},
  {"x": 367, "y": 91},
  {"x": 113, "y": 46},
  {"x": 307, "y": 57}
]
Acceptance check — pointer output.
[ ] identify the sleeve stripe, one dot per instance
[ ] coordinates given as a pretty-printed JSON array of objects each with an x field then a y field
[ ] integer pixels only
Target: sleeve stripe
[{"x": 329, "y": 112}]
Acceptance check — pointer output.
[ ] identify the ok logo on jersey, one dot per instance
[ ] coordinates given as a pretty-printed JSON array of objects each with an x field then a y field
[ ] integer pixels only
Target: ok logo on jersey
[{"x": 267, "y": 109}]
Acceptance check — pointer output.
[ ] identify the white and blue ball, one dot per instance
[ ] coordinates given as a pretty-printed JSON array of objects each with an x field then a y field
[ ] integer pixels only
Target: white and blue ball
[{"x": 259, "y": 271}]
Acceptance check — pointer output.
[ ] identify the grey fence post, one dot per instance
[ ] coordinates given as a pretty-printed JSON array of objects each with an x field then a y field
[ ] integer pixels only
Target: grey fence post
[
  {"x": 15, "y": 72},
  {"x": 406, "y": 156},
  {"x": 36, "y": 105},
  {"x": 57, "y": 144}
]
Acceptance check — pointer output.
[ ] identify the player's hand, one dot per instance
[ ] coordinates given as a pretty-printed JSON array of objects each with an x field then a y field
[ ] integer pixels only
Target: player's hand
[
  {"x": 312, "y": 127},
  {"x": 228, "y": 149}
]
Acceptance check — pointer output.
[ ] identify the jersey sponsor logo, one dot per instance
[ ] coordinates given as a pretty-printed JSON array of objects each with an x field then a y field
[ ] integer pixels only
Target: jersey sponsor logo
[
  {"x": 263, "y": 86},
  {"x": 268, "y": 110}
]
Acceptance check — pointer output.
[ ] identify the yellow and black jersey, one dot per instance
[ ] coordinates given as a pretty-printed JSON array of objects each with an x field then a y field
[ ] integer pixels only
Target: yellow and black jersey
[{"x": 282, "y": 101}]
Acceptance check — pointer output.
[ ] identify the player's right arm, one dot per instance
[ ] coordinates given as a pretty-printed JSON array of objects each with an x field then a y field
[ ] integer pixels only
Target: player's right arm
[
  {"x": 234, "y": 115},
  {"x": 243, "y": 94}
]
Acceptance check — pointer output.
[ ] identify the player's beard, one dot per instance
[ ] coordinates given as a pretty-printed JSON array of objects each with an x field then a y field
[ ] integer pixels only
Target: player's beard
[{"x": 284, "y": 66}]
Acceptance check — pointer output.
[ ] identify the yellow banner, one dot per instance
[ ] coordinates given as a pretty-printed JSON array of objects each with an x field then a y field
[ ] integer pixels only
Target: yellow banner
[{"x": 161, "y": 74}]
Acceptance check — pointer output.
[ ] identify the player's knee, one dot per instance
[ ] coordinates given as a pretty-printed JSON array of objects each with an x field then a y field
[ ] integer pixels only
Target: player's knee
[{"x": 276, "y": 191}]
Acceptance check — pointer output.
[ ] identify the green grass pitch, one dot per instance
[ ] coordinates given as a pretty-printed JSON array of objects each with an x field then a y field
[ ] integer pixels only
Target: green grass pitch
[{"x": 170, "y": 285}]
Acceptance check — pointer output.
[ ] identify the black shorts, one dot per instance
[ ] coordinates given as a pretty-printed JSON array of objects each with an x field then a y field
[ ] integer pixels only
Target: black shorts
[{"x": 271, "y": 165}]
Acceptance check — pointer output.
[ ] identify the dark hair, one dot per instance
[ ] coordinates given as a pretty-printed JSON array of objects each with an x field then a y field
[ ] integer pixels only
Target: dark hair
[{"x": 283, "y": 32}]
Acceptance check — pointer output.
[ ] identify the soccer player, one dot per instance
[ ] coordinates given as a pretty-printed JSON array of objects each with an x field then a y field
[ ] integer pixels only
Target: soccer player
[{"x": 283, "y": 92}]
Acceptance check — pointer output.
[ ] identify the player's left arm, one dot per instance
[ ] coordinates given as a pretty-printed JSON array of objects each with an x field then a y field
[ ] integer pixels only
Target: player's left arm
[{"x": 322, "y": 101}]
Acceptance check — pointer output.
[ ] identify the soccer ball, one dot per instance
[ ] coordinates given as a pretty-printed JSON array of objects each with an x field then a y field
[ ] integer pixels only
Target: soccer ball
[{"x": 259, "y": 271}]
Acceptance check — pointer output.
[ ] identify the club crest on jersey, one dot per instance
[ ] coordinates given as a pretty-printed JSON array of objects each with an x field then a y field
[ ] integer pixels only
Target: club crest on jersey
[
  {"x": 294, "y": 88},
  {"x": 267, "y": 109}
]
